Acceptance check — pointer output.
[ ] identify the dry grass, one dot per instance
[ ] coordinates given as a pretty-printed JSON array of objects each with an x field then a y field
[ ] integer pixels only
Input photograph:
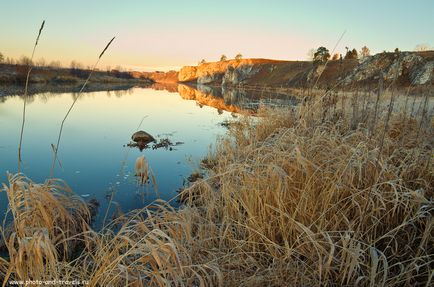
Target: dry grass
[
  {"x": 338, "y": 191},
  {"x": 310, "y": 197},
  {"x": 46, "y": 219},
  {"x": 142, "y": 170}
]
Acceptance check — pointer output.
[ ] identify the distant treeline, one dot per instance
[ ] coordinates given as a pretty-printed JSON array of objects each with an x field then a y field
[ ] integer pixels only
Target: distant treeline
[{"x": 42, "y": 63}]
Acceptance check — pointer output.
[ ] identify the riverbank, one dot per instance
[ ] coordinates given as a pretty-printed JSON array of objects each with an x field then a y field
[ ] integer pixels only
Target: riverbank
[
  {"x": 13, "y": 90},
  {"x": 337, "y": 191},
  {"x": 49, "y": 79},
  {"x": 404, "y": 70}
]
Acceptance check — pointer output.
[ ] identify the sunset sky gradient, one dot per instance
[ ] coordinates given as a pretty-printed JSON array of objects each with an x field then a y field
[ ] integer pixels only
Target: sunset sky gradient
[{"x": 163, "y": 35}]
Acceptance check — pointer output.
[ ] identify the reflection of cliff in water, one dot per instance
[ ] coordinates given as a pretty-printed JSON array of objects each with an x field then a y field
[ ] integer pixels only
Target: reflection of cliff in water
[
  {"x": 238, "y": 100},
  {"x": 234, "y": 99},
  {"x": 207, "y": 96},
  {"x": 170, "y": 87}
]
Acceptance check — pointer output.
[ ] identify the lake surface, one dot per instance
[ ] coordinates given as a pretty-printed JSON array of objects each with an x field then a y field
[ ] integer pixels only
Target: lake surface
[{"x": 93, "y": 153}]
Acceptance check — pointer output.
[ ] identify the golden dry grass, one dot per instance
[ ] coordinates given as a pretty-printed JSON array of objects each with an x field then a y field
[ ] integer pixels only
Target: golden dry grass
[
  {"x": 316, "y": 205},
  {"x": 142, "y": 169},
  {"x": 338, "y": 191},
  {"x": 46, "y": 219}
]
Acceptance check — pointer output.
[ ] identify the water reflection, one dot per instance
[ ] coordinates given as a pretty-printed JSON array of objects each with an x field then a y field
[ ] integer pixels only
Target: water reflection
[
  {"x": 206, "y": 96},
  {"x": 236, "y": 100},
  {"x": 170, "y": 87},
  {"x": 239, "y": 100},
  {"x": 94, "y": 155},
  {"x": 96, "y": 161},
  {"x": 14, "y": 90}
]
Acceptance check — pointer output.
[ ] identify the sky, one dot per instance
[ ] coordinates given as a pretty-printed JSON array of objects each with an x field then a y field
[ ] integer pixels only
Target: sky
[{"x": 164, "y": 35}]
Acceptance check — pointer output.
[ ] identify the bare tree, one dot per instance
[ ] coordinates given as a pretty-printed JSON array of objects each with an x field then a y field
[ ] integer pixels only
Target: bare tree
[
  {"x": 41, "y": 62},
  {"x": 422, "y": 47},
  {"x": 76, "y": 65},
  {"x": 25, "y": 61},
  {"x": 310, "y": 54},
  {"x": 10, "y": 61},
  {"x": 365, "y": 52},
  {"x": 55, "y": 64}
]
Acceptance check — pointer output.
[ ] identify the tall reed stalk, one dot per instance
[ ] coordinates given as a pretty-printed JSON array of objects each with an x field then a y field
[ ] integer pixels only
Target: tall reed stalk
[
  {"x": 56, "y": 147},
  {"x": 25, "y": 96},
  {"x": 334, "y": 48},
  {"x": 377, "y": 101}
]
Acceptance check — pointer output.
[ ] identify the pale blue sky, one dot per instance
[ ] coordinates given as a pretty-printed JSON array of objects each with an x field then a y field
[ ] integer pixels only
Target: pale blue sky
[{"x": 164, "y": 34}]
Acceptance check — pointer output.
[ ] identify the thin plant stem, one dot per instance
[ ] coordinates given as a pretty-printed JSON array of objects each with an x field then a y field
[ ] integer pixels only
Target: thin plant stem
[
  {"x": 25, "y": 97},
  {"x": 377, "y": 101},
  {"x": 56, "y": 147},
  {"x": 325, "y": 65}
]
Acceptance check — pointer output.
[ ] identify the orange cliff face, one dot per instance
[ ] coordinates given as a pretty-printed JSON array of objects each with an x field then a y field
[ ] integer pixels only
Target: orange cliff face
[
  {"x": 213, "y": 72},
  {"x": 187, "y": 74}
]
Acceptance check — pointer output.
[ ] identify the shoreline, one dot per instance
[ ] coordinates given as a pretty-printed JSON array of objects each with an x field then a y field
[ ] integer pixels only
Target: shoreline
[
  {"x": 51, "y": 79},
  {"x": 18, "y": 90}
]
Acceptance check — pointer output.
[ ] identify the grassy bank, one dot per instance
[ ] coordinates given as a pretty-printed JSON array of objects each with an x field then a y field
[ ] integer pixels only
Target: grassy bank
[
  {"x": 16, "y": 75},
  {"x": 338, "y": 191}
]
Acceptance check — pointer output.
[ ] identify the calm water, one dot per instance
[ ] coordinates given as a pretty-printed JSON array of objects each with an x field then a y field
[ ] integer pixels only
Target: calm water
[{"x": 93, "y": 146}]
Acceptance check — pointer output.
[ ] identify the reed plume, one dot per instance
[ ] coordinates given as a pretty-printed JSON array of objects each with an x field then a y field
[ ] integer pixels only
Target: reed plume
[
  {"x": 25, "y": 96},
  {"x": 56, "y": 147}
]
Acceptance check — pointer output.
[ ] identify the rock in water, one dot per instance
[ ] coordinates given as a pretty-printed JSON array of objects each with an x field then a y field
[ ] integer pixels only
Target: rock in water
[{"x": 142, "y": 137}]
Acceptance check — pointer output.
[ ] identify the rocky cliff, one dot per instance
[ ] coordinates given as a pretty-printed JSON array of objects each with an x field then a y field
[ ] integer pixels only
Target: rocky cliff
[
  {"x": 224, "y": 72},
  {"x": 404, "y": 68}
]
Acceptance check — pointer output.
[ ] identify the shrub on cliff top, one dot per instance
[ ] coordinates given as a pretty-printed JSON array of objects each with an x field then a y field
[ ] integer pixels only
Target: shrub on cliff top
[{"x": 321, "y": 55}]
